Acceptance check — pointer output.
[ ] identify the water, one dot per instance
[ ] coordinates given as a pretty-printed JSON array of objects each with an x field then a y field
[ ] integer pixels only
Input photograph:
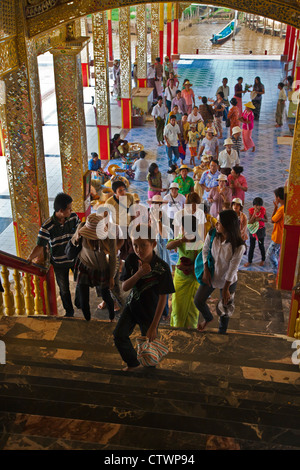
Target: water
[{"x": 198, "y": 37}]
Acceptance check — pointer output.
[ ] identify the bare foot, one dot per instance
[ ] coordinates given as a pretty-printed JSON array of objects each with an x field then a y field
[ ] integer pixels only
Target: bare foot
[
  {"x": 253, "y": 150},
  {"x": 201, "y": 326},
  {"x": 247, "y": 264},
  {"x": 130, "y": 369},
  {"x": 102, "y": 305},
  {"x": 261, "y": 263}
]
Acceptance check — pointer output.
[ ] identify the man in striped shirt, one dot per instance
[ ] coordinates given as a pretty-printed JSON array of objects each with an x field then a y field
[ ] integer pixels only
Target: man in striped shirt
[{"x": 56, "y": 232}]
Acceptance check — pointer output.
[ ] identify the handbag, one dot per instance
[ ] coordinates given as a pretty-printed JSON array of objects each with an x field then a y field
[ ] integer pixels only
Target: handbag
[
  {"x": 150, "y": 353},
  {"x": 199, "y": 265}
]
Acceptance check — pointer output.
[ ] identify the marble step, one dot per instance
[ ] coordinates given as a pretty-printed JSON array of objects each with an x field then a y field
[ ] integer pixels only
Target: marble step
[
  {"x": 197, "y": 405},
  {"x": 25, "y": 431},
  {"x": 215, "y": 422}
]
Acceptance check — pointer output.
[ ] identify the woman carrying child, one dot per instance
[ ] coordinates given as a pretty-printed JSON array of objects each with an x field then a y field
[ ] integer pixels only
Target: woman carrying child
[{"x": 258, "y": 216}]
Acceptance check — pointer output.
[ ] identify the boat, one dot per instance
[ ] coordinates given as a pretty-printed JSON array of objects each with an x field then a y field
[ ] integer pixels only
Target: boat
[{"x": 225, "y": 34}]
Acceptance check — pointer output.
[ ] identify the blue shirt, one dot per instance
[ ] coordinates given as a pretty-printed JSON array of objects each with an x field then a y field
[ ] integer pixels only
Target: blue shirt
[
  {"x": 209, "y": 180},
  {"x": 94, "y": 166}
]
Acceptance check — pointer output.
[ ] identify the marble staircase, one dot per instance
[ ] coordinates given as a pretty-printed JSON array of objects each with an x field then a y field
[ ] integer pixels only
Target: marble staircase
[{"x": 63, "y": 387}]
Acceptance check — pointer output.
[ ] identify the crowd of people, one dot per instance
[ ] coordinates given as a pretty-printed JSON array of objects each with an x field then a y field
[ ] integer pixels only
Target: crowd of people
[{"x": 123, "y": 249}]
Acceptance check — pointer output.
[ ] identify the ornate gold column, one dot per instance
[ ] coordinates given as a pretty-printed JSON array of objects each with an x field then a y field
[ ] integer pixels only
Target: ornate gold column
[
  {"x": 71, "y": 122},
  {"x": 23, "y": 140},
  {"x": 102, "y": 84},
  {"x": 125, "y": 65},
  {"x": 154, "y": 31},
  {"x": 141, "y": 45},
  {"x": 85, "y": 62},
  {"x": 288, "y": 272}
]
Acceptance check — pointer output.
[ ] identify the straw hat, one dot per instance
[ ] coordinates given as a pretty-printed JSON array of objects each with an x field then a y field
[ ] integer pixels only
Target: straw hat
[
  {"x": 236, "y": 129},
  {"x": 222, "y": 177},
  {"x": 205, "y": 158},
  {"x": 185, "y": 167},
  {"x": 237, "y": 200},
  {"x": 174, "y": 185},
  {"x": 228, "y": 142},
  {"x": 193, "y": 124},
  {"x": 94, "y": 228},
  {"x": 157, "y": 199},
  {"x": 136, "y": 197},
  {"x": 250, "y": 105},
  {"x": 187, "y": 82},
  {"x": 112, "y": 169}
]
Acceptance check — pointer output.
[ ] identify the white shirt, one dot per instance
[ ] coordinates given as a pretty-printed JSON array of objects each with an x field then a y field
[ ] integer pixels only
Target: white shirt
[
  {"x": 159, "y": 111},
  {"x": 172, "y": 133},
  {"x": 170, "y": 93},
  {"x": 151, "y": 72},
  {"x": 227, "y": 160},
  {"x": 226, "y": 264},
  {"x": 174, "y": 205},
  {"x": 225, "y": 90},
  {"x": 193, "y": 118},
  {"x": 140, "y": 167},
  {"x": 282, "y": 95}
]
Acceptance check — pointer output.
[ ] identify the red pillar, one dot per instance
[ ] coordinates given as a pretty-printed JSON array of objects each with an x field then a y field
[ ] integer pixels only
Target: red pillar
[
  {"x": 104, "y": 141},
  {"x": 126, "y": 113},
  {"x": 175, "y": 38},
  {"x": 85, "y": 69},
  {"x": 142, "y": 82},
  {"x": 289, "y": 250},
  {"x": 109, "y": 30},
  {"x": 169, "y": 30},
  {"x": 287, "y": 40},
  {"x": 292, "y": 44}
]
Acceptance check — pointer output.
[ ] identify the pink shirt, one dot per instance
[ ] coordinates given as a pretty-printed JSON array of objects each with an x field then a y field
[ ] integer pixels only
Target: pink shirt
[
  {"x": 188, "y": 95},
  {"x": 261, "y": 214},
  {"x": 238, "y": 192}
]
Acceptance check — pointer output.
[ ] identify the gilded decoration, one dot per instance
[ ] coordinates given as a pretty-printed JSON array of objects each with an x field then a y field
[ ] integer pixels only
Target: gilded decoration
[
  {"x": 101, "y": 68},
  {"x": 8, "y": 55},
  {"x": 62, "y": 11},
  {"x": 7, "y": 18},
  {"x": 71, "y": 122},
  {"x": 141, "y": 41},
  {"x": 125, "y": 52},
  {"x": 292, "y": 212},
  {"x": 154, "y": 31}
]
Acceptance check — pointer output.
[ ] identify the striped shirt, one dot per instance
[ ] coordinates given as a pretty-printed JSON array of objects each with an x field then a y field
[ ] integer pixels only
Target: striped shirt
[
  {"x": 237, "y": 143},
  {"x": 57, "y": 235}
]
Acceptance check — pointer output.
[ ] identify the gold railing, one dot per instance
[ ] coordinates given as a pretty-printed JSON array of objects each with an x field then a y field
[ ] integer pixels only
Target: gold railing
[{"x": 28, "y": 288}]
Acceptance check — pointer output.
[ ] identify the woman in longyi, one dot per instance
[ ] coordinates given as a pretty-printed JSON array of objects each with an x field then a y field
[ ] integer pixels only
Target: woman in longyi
[{"x": 184, "y": 312}]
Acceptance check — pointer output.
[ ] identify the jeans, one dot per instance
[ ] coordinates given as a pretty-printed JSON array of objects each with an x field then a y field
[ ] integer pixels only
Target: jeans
[
  {"x": 200, "y": 299},
  {"x": 273, "y": 255},
  {"x": 84, "y": 300},
  {"x": 122, "y": 332},
  {"x": 62, "y": 279},
  {"x": 173, "y": 150}
]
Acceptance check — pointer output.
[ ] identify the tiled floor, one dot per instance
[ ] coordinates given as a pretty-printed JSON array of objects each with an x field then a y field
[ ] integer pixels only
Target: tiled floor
[{"x": 264, "y": 170}]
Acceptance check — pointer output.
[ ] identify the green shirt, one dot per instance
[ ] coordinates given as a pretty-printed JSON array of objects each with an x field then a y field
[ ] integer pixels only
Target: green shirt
[{"x": 185, "y": 186}]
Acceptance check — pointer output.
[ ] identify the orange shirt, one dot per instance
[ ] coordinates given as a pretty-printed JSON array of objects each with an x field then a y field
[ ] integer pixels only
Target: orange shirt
[{"x": 278, "y": 219}]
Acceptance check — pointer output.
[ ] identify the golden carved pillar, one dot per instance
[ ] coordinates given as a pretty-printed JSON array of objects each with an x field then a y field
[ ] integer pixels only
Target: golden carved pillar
[
  {"x": 154, "y": 31},
  {"x": 71, "y": 122},
  {"x": 125, "y": 65},
  {"x": 102, "y": 84},
  {"x": 85, "y": 61},
  {"x": 141, "y": 45},
  {"x": 23, "y": 141},
  {"x": 288, "y": 272}
]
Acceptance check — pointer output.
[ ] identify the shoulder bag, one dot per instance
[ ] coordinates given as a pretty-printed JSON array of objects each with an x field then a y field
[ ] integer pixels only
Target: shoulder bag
[{"x": 199, "y": 265}]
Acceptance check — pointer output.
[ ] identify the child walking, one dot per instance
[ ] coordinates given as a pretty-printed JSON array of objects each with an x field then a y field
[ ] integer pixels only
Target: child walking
[
  {"x": 193, "y": 138},
  {"x": 257, "y": 213},
  {"x": 150, "y": 281}
]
